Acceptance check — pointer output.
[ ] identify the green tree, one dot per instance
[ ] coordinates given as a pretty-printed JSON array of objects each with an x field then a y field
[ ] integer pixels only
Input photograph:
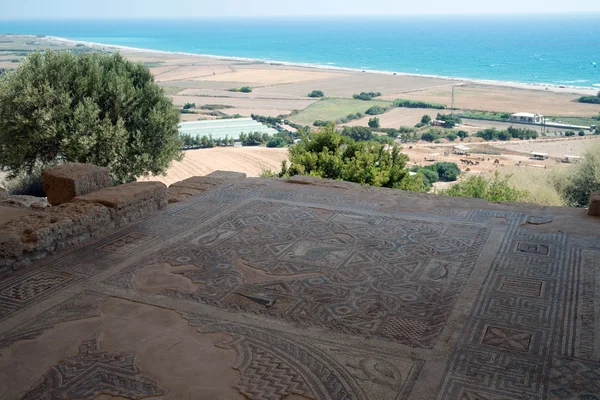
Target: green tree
[
  {"x": 426, "y": 120},
  {"x": 590, "y": 99},
  {"x": 357, "y": 133},
  {"x": 374, "y": 122},
  {"x": 430, "y": 136},
  {"x": 316, "y": 93},
  {"x": 493, "y": 189},
  {"x": 327, "y": 154},
  {"x": 276, "y": 142},
  {"x": 375, "y": 110},
  {"x": 93, "y": 108},
  {"x": 245, "y": 89},
  {"x": 578, "y": 183},
  {"x": 452, "y": 136},
  {"x": 462, "y": 134}
]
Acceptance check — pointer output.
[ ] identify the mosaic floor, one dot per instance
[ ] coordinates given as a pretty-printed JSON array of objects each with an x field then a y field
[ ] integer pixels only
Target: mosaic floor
[{"x": 270, "y": 290}]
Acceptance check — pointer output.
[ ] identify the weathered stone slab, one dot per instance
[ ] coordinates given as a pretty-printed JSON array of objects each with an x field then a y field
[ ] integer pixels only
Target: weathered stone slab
[
  {"x": 130, "y": 201},
  {"x": 39, "y": 234},
  {"x": 227, "y": 175},
  {"x": 182, "y": 190},
  {"x": 65, "y": 182},
  {"x": 594, "y": 209}
]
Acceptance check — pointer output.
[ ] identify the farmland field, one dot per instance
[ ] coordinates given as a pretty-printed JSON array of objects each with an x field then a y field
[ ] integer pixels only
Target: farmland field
[{"x": 331, "y": 109}]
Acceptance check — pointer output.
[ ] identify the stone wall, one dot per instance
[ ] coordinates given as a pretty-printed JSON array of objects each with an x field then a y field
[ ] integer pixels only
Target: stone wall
[{"x": 43, "y": 232}]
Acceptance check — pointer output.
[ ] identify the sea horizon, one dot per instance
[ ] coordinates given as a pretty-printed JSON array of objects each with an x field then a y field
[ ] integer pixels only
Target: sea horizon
[{"x": 481, "y": 51}]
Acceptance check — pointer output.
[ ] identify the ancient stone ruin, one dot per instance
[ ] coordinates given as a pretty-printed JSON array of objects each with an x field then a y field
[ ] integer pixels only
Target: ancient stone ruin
[{"x": 245, "y": 288}]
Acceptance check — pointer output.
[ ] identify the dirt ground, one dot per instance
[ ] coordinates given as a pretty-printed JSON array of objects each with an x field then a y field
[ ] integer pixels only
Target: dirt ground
[
  {"x": 251, "y": 160},
  {"x": 504, "y": 99},
  {"x": 555, "y": 148}
]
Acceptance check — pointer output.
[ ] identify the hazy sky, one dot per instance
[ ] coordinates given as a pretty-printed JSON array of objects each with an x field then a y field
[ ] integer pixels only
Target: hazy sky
[{"x": 18, "y": 9}]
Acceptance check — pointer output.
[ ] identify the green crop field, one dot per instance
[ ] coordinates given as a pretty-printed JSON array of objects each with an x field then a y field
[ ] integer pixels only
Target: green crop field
[
  {"x": 575, "y": 120},
  {"x": 330, "y": 109}
]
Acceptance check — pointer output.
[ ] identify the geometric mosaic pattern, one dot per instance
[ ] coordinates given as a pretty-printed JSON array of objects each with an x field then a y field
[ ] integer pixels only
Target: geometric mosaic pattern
[
  {"x": 394, "y": 278},
  {"x": 32, "y": 286},
  {"x": 274, "y": 364},
  {"x": 312, "y": 260},
  {"x": 127, "y": 243},
  {"x": 93, "y": 372}
]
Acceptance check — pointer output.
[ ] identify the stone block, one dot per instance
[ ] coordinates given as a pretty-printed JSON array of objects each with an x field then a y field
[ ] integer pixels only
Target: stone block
[
  {"x": 129, "y": 202},
  {"x": 182, "y": 190},
  {"x": 594, "y": 209},
  {"x": 227, "y": 175},
  {"x": 65, "y": 182}
]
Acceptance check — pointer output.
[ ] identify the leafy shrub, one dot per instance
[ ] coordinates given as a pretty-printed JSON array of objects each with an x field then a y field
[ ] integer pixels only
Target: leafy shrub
[
  {"x": 580, "y": 180},
  {"x": 447, "y": 171},
  {"x": 496, "y": 188},
  {"x": 357, "y": 133},
  {"x": 425, "y": 120},
  {"x": 517, "y": 133},
  {"x": 462, "y": 134},
  {"x": 569, "y": 133},
  {"x": 581, "y": 133},
  {"x": 450, "y": 120},
  {"x": 322, "y": 123},
  {"x": 187, "y": 106},
  {"x": 214, "y": 106},
  {"x": 375, "y": 110},
  {"x": 327, "y": 154},
  {"x": 276, "y": 142},
  {"x": 366, "y": 95},
  {"x": 254, "y": 138},
  {"x": 245, "y": 89},
  {"x": 430, "y": 136},
  {"x": 96, "y": 108},
  {"x": 417, "y": 104},
  {"x": 316, "y": 93},
  {"x": 590, "y": 99},
  {"x": 374, "y": 122},
  {"x": 451, "y": 136}
]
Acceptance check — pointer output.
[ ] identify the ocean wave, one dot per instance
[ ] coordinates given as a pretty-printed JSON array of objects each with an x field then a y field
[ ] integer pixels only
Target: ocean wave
[
  {"x": 596, "y": 84},
  {"x": 575, "y": 81}
]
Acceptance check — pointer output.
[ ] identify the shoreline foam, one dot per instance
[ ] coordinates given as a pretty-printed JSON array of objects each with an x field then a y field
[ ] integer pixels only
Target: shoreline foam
[{"x": 583, "y": 90}]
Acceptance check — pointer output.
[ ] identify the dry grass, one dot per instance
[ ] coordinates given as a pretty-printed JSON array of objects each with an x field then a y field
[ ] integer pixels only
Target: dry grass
[
  {"x": 574, "y": 146},
  {"x": 504, "y": 99},
  {"x": 251, "y": 160},
  {"x": 190, "y": 72},
  {"x": 271, "y": 76},
  {"x": 538, "y": 183},
  {"x": 349, "y": 83}
]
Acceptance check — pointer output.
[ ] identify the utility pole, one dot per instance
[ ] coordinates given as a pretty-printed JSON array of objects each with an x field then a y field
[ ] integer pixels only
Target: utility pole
[{"x": 452, "y": 107}]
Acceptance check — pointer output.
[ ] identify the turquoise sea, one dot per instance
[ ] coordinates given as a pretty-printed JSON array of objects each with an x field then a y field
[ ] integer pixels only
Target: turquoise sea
[{"x": 548, "y": 49}]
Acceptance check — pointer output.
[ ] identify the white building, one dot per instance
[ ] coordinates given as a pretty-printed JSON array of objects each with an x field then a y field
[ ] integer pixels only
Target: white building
[{"x": 527, "y": 118}]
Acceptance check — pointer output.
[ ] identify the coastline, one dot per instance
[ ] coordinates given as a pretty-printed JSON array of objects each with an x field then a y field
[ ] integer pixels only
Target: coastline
[{"x": 550, "y": 87}]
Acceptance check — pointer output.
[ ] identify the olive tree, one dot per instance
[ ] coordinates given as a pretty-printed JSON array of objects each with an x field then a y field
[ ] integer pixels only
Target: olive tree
[{"x": 96, "y": 108}]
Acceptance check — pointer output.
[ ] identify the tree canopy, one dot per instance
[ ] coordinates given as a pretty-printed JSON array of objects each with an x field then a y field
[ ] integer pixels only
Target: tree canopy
[
  {"x": 91, "y": 108},
  {"x": 328, "y": 154}
]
